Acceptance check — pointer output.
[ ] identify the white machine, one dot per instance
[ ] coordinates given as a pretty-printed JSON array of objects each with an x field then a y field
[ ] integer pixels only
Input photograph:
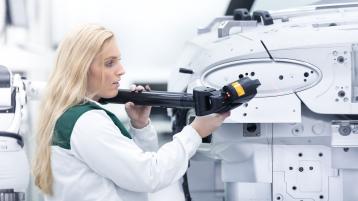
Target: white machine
[
  {"x": 297, "y": 139},
  {"x": 14, "y": 166}
]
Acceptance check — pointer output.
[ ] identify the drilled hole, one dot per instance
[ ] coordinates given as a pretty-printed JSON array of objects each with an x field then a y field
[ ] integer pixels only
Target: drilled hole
[
  {"x": 341, "y": 93},
  {"x": 340, "y": 59}
]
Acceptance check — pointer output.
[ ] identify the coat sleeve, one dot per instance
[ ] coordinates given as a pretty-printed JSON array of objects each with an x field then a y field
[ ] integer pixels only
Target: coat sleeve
[
  {"x": 96, "y": 141},
  {"x": 146, "y": 138}
]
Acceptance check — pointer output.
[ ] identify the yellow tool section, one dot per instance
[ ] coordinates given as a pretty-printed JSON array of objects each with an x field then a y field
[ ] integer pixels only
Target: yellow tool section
[{"x": 239, "y": 90}]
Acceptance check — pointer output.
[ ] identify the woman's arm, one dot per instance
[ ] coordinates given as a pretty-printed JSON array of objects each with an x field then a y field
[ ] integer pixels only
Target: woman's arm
[
  {"x": 146, "y": 138},
  {"x": 98, "y": 142}
]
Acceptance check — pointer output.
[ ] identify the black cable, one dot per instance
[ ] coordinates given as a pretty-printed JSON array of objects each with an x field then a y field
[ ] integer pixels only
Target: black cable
[
  {"x": 268, "y": 52},
  {"x": 186, "y": 187},
  {"x": 16, "y": 136},
  {"x": 272, "y": 154}
]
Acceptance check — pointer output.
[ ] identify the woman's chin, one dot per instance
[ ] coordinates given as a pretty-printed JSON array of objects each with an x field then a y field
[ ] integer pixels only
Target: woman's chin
[{"x": 113, "y": 94}]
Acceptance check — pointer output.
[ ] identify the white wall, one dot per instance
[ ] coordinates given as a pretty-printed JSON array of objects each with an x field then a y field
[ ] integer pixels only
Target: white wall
[{"x": 150, "y": 34}]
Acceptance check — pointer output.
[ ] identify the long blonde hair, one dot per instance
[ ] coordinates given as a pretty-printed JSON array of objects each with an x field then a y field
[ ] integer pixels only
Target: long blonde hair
[{"x": 66, "y": 87}]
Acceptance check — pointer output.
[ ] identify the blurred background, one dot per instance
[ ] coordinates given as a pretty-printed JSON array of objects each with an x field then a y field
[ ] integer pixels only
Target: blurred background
[{"x": 150, "y": 33}]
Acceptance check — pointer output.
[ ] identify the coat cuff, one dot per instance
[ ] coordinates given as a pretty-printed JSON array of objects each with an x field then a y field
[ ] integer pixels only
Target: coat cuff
[{"x": 139, "y": 132}]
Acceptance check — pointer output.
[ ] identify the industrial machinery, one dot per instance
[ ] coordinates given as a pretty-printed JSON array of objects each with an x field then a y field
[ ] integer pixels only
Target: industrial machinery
[
  {"x": 297, "y": 139},
  {"x": 15, "y": 91},
  {"x": 14, "y": 166}
]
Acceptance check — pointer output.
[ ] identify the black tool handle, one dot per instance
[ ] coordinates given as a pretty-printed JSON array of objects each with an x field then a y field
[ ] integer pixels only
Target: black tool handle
[{"x": 153, "y": 98}]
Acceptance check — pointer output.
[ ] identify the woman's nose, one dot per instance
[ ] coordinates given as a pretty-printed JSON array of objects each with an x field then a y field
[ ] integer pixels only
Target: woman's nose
[{"x": 120, "y": 69}]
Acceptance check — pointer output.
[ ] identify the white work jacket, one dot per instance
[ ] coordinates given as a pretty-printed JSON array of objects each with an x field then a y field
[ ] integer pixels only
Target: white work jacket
[{"x": 104, "y": 165}]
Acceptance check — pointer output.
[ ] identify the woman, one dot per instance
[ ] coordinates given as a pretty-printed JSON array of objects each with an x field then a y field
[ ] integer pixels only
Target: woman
[{"x": 83, "y": 151}]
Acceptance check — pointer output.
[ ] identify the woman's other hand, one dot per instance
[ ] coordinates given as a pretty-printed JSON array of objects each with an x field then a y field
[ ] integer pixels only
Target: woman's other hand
[
  {"x": 138, "y": 114},
  {"x": 205, "y": 125}
]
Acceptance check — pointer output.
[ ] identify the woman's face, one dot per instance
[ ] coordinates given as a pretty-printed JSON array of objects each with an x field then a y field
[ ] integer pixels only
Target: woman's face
[{"x": 106, "y": 62}]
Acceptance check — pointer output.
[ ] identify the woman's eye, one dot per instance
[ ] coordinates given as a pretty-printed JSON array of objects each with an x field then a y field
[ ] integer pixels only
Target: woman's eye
[{"x": 110, "y": 63}]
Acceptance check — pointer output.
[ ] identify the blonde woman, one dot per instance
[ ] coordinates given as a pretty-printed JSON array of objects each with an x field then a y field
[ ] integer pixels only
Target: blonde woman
[{"x": 83, "y": 151}]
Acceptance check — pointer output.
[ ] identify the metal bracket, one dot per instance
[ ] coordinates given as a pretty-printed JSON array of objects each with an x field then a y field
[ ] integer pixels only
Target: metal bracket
[
  {"x": 212, "y": 23},
  {"x": 264, "y": 15},
  {"x": 242, "y": 14},
  {"x": 224, "y": 27}
]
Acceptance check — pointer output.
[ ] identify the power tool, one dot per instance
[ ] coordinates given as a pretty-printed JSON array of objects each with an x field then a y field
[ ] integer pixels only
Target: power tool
[{"x": 205, "y": 100}]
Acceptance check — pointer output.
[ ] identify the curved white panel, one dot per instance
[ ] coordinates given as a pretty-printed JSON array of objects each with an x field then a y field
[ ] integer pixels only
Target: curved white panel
[{"x": 279, "y": 77}]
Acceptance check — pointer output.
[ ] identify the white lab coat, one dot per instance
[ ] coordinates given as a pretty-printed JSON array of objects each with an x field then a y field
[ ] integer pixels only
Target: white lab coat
[{"x": 104, "y": 165}]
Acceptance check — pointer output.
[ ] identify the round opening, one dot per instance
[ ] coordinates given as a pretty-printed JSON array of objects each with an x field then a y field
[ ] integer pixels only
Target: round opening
[
  {"x": 341, "y": 93},
  {"x": 340, "y": 59},
  {"x": 251, "y": 127}
]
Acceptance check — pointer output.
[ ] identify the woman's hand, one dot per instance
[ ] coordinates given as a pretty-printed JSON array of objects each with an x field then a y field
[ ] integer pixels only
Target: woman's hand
[
  {"x": 205, "y": 125},
  {"x": 138, "y": 114}
]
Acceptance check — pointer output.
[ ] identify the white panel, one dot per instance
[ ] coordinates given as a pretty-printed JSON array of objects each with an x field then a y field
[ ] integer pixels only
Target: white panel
[
  {"x": 280, "y": 109},
  {"x": 5, "y": 97},
  {"x": 6, "y": 120},
  {"x": 301, "y": 172}
]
